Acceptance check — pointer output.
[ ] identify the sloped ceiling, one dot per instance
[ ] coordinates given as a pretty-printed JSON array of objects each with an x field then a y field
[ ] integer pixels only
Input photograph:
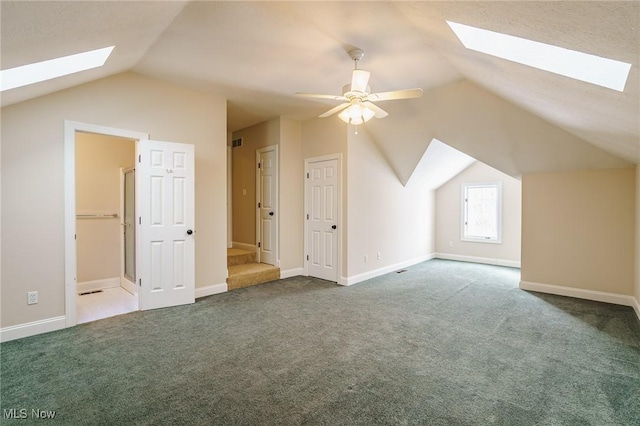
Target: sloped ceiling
[{"x": 257, "y": 54}]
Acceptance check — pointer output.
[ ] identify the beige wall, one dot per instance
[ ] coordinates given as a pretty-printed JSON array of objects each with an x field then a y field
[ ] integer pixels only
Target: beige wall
[
  {"x": 243, "y": 171},
  {"x": 637, "y": 253},
  {"x": 291, "y": 199},
  {"x": 448, "y": 216},
  {"x": 383, "y": 216},
  {"x": 98, "y": 162},
  {"x": 32, "y": 160},
  {"x": 578, "y": 229}
]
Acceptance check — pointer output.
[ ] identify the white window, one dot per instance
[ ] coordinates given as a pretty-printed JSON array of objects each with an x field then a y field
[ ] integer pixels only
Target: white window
[{"x": 482, "y": 212}]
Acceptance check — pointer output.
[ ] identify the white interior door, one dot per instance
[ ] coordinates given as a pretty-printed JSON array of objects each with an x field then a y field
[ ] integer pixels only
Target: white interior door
[
  {"x": 166, "y": 250},
  {"x": 267, "y": 193},
  {"x": 322, "y": 219}
]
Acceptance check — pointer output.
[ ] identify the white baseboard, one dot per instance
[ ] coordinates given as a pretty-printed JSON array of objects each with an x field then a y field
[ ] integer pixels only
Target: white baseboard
[
  {"x": 291, "y": 272},
  {"x": 97, "y": 284},
  {"x": 243, "y": 246},
  {"x": 579, "y": 293},
  {"x": 384, "y": 270},
  {"x": 32, "y": 328},
  {"x": 475, "y": 259},
  {"x": 636, "y": 307},
  {"x": 211, "y": 289},
  {"x": 128, "y": 285}
]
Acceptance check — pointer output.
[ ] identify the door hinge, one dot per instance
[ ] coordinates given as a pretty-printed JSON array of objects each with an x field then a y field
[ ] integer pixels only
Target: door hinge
[
  {"x": 307, "y": 257},
  {"x": 140, "y": 220},
  {"x": 75, "y": 236},
  {"x": 259, "y": 204},
  {"x": 140, "y": 158},
  {"x": 259, "y": 165},
  {"x": 307, "y": 175},
  {"x": 307, "y": 216},
  {"x": 259, "y": 245},
  {"x": 140, "y": 281}
]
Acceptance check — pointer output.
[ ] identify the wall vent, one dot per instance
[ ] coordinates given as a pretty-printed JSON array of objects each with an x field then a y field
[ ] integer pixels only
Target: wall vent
[{"x": 235, "y": 143}]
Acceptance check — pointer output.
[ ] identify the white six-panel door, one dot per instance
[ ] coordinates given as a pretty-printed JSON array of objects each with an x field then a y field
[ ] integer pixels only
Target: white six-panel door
[
  {"x": 267, "y": 192},
  {"x": 166, "y": 239},
  {"x": 322, "y": 220}
]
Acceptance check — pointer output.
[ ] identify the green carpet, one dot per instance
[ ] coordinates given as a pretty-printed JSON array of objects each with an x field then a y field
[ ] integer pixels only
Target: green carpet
[{"x": 445, "y": 343}]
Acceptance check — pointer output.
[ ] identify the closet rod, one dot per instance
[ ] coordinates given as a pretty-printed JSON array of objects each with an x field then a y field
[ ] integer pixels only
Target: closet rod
[{"x": 96, "y": 216}]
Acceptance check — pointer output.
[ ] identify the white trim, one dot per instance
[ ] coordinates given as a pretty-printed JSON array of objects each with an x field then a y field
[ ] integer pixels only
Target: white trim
[
  {"x": 636, "y": 307},
  {"x": 70, "y": 266},
  {"x": 475, "y": 259},
  {"x": 128, "y": 285},
  {"x": 340, "y": 279},
  {"x": 385, "y": 270},
  {"x": 229, "y": 198},
  {"x": 244, "y": 246},
  {"x": 32, "y": 328},
  {"x": 211, "y": 289},
  {"x": 97, "y": 284},
  {"x": 579, "y": 293},
  {"x": 291, "y": 273}
]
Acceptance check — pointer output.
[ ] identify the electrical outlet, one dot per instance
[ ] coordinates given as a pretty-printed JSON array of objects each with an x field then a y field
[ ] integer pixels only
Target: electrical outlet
[
  {"x": 366, "y": 258},
  {"x": 32, "y": 298},
  {"x": 378, "y": 255}
]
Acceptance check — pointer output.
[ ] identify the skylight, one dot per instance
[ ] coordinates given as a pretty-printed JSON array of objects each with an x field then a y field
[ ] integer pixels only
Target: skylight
[
  {"x": 569, "y": 63},
  {"x": 46, "y": 70}
]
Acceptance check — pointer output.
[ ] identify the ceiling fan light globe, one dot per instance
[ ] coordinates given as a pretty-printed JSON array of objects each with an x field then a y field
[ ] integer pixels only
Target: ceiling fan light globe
[
  {"x": 367, "y": 114},
  {"x": 357, "y": 120},
  {"x": 344, "y": 116}
]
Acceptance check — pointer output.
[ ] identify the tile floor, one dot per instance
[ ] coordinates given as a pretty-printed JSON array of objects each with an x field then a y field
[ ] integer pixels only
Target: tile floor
[{"x": 110, "y": 302}]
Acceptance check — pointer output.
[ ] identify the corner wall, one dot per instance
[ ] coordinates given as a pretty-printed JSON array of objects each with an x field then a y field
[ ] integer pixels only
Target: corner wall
[
  {"x": 578, "y": 233},
  {"x": 291, "y": 225},
  {"x": 637, "y": 252},
  {"x": 384, "y": 216},
  {"x": 448, "y": 219},
  {"x": 32, "y": 162}
]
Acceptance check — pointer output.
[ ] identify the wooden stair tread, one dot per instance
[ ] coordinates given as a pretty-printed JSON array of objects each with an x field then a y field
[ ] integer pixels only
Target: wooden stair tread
[{"x": 249, "y": 274}]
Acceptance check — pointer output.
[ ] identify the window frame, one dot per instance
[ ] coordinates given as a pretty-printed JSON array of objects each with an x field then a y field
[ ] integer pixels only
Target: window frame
[{"x": 463, "y": 212}]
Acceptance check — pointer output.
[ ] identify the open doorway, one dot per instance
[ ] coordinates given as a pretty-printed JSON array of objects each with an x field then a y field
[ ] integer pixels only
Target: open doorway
[{"x": 105, "y": 226}]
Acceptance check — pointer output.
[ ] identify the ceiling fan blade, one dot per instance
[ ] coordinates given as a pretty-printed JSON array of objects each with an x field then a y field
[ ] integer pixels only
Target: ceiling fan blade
[
  {"x": 318, "y": 96},
  {"x": 379, "y": 112},
  {"x": 396, "y": 94},
  {"x": 335, "y": 109},
  {"x": 360, "y": 80}
]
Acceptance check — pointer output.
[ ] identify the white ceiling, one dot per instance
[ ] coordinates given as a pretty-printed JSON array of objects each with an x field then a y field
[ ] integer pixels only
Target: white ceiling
[{"x": 257, "y": 54}]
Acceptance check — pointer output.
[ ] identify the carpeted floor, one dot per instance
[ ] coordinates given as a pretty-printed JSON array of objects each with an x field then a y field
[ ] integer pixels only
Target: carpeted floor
[{"x": 445, "y": 343}]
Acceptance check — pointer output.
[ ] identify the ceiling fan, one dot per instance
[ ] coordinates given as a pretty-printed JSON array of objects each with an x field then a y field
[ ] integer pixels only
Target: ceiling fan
[{"x": 358, "y": 106}]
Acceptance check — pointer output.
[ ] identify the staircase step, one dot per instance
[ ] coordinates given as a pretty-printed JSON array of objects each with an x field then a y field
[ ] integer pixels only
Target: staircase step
[
  {"x": 249, "y": 274},
  {"x": 240, "y": 257}
]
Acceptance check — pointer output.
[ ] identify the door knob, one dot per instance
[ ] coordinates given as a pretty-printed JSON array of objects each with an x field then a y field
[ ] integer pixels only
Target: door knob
[
  {"x": 334, "y": 227},
  {"x": 270, "y": 213},
  {"x": 189, "y": 232}
]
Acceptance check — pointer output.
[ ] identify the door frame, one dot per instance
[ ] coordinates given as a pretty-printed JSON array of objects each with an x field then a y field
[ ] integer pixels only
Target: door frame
[
  {"x": 70, "y": 248},
  {"x": 276, "y": 202},
  {"x": 307, "y": 193},
  {"x": 124, "y": 282}
]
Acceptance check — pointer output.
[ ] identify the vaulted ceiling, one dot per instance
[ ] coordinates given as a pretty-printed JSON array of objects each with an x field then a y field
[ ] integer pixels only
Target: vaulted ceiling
[{"x": 258, "y": 54}]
